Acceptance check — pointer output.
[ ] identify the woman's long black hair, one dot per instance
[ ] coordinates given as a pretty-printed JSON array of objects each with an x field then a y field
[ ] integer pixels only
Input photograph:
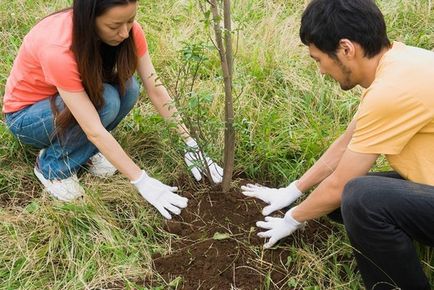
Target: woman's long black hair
[{"x": 97, "y": 62}]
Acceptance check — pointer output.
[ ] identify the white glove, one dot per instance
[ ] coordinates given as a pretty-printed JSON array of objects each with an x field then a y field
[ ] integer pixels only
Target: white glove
[
  {"x": 161, "y": 196},
  {"x": 278, "y": 228},
  {"x": 194, "y": 160},
  {"x": 276, "y": 198}
]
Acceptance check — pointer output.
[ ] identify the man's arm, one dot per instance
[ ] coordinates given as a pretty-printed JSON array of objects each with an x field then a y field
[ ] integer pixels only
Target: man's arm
[
  {"x": 328, "y": 162},
  {"x": 327, "y": 196},
  {"x": 278, "y": 198},
  {"x": 323, "y": 200}
]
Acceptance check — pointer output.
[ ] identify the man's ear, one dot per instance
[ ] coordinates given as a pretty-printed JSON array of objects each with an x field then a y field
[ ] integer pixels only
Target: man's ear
[{"x": 347, "y": 48}]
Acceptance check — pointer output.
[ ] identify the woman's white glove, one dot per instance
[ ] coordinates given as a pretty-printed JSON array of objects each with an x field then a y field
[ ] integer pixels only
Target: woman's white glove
[
  {"x": 194, "y": 160},
  {"x": 161, "y": 196},
  {"x": 277, "y": 198},
  {"x": 278, "y": 228}
]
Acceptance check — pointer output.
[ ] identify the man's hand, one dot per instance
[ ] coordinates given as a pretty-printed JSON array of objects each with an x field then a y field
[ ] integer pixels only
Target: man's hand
[
  {"x": 276, "y": 198},
  {"x": 161, "y": 196},
  {"x": 196, "y": 162},
  {"x": 278, "y": 228}
]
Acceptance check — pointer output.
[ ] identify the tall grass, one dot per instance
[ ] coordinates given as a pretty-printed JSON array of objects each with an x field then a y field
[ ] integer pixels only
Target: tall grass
[{"x": 286, "y": 114}]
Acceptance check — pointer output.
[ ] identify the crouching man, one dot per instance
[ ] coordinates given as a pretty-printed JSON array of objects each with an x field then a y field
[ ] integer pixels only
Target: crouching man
[{"x": 383, "y": 213}]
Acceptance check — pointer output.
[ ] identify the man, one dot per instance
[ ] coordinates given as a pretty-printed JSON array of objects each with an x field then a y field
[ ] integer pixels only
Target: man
[{"x": 382, "y": 213}]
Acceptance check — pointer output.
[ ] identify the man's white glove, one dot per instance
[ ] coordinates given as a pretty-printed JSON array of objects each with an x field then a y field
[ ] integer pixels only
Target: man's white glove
[
  {"x": 278, "y": 228},
  {"x": 276, "y": 198},
  {"x": 194, "y": 160},
  {"x": 161, "y": 196}
]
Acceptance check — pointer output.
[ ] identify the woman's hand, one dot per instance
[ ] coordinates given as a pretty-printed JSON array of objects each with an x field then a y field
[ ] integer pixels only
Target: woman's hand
[
  {"x": 196, "y": 161},
  {"x": 161, "y": 196}
]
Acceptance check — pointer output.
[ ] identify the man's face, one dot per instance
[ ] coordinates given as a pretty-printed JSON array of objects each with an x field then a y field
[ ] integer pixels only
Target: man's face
[
  {"x": 333, "y": 67},
  {"x": 115, "y": 24}
]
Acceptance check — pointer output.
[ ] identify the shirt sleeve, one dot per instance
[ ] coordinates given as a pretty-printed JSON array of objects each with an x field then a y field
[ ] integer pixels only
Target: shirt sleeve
[
  {"x": 60, "y": 69},
  {"x": 387, "y": 121},
  {"x": 139, "y": 39}
]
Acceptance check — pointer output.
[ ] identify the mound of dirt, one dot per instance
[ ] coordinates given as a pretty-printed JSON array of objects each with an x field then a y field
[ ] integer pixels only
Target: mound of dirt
[{"x": 218, "y": 247}]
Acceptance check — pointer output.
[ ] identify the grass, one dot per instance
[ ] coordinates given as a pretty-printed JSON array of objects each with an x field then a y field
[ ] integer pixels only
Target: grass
[{"x": 286, "y": 116}]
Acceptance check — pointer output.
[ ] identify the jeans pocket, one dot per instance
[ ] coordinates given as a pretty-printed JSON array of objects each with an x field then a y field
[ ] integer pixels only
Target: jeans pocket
[
  {"x": 34, "y": 129},
  {"x": 13, "y": 121}
]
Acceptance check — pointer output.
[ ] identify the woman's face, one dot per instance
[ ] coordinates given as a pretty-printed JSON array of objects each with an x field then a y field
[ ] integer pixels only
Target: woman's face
[{"x": 115, "y": 24}]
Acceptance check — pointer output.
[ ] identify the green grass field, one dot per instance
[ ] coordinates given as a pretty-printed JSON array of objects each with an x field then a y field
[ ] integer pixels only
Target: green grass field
[{"x": 286, "y": 116}]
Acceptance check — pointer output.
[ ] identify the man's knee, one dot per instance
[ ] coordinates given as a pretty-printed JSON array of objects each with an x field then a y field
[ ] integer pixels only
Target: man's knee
[
  {"x": 352, "y": 191},
  {"x": 361, "y": 192},
  {"x": 358, "y": 197},
  {"x": 363, "y": 204}
]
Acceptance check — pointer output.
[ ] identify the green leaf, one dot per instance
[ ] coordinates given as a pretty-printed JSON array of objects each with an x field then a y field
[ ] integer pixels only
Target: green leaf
[
  {"x": 32, "y": 207},
  {"x": 219, "y": 236},
  {"x": 176, "y": 282}
]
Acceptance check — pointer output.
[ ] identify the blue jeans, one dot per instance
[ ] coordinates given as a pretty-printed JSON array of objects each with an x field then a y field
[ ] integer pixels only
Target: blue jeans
[
  {"x": 34, "y": 125},
  {"x": 383, "y": 214}
]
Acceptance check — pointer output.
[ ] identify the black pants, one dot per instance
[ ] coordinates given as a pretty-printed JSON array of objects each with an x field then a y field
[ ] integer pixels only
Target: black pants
[{"x": 383, "y": 214}]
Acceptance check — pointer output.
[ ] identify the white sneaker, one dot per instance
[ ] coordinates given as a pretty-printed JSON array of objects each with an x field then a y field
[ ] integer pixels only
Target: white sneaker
[
  {"x": 64, "y": 189},
  {"x": 100, "y": 166}
]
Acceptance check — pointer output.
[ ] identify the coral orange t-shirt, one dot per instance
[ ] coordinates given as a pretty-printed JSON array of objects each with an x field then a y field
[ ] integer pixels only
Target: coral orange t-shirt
[
  {"x": 45, "y": 62},
  {"x": 396, "y": 114}
]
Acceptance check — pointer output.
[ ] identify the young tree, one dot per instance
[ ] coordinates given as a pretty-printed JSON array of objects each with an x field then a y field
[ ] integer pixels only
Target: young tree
[
  {"x": 223, "y": 43},
  {"x": 193, "y": 56}
]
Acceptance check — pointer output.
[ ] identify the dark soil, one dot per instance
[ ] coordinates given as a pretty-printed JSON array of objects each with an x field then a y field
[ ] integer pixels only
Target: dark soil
[{"x": 218, "y": 247}]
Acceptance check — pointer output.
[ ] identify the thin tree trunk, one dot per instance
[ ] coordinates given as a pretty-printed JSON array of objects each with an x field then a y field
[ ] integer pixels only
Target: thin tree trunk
[
  {"x": 225, "y": 52},
  {"x": 229, "y": 151}
]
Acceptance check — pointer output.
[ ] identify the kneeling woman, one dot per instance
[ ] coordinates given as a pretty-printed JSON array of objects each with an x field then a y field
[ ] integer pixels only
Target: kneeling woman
[{"x": 72, "y": 83}]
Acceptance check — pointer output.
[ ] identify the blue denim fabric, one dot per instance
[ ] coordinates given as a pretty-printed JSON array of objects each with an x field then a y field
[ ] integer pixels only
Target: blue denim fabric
[{"x": 34, "y": 125}]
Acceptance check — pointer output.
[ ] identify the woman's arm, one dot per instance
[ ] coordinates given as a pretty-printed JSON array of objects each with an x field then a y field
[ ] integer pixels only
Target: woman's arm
[
  {"x": 158, "y": 94},
  {"x": 88, "y": 119},
  {"x": 161, "y": 196},
  {"x": 162, "y": 102}
]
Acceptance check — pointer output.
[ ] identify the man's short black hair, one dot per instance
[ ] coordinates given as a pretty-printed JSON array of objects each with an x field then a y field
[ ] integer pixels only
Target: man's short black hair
[{"x": 326, "y": 22}]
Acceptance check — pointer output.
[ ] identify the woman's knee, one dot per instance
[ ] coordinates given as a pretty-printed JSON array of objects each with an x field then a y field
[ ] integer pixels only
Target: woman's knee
[
  {"x": 132, "y": 92},
  {"x": 111, "y": 107}
]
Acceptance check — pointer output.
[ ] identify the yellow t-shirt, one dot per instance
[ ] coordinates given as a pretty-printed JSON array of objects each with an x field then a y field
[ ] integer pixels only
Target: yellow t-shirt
[{"x": 396, "y": 114}]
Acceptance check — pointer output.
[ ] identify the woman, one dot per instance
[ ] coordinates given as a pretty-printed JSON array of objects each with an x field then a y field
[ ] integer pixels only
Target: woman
[{"x": 72, "y": 83}]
